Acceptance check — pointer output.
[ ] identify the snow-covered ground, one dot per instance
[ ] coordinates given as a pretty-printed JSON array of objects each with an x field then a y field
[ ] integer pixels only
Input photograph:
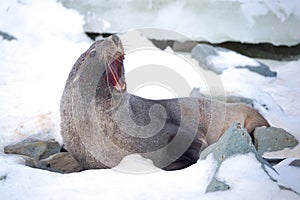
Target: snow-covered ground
[
  {"x": 33, "y": 72},
  {"x": 242, "y": 173}
]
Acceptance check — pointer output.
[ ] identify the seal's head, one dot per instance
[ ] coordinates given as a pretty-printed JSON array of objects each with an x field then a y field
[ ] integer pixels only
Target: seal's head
[
  {"x": 114, "y": 56},
  {"x": 102, "y": 65},
  {"x": 99, "y": 73},
  {"x": 110, "y": 53}
]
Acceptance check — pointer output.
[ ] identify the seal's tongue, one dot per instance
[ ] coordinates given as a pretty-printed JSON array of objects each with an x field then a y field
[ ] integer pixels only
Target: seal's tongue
[{"x": 115, "y": 73}]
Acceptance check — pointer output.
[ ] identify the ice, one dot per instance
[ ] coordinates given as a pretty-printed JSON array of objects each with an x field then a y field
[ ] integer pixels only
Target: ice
[{"x": 276, "y": 22}]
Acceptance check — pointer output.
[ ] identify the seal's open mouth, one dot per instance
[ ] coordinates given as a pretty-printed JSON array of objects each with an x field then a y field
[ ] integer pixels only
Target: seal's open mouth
[{"x": 115, "y": 73}]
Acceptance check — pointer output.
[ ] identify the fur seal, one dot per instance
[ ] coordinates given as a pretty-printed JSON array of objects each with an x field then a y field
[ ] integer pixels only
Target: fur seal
[{"x": 101, "y": 123}]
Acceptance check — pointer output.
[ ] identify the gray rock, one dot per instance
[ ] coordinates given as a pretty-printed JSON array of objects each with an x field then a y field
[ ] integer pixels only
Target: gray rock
[
  {"x": 3, "y": 178},
  {"x": 162, "y": 44},
  {"x": 265, "y": 50},
  {"x": 7, "y": 36},
  {"x": 202, "y": 53},
  {"x": 196, "y": 93},
  {"x": 186, "y": 46},
  {"x": 31, "y": 162},
  {"x": 236, "y": 99},
  {"x": 216, "y": 185},
  {"x": 45, "y": 155},
  {"x": 34, "y": 148},
  {"x": 272, "y": 139},
  {"x": 295, "y": 163},
  {"x": 262, "y": 69},
  {"x": 229, "y": 99},
  {"x": 234, "y": 141},
  {"x": 62, "y": 162}
]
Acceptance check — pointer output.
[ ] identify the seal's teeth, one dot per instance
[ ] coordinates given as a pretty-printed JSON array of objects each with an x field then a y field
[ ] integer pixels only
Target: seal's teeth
[{"x": 120, "y": 87}]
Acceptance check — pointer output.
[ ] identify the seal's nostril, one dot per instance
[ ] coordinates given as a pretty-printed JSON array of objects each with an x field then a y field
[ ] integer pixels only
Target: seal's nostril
[{"x": 115, "y": 38}]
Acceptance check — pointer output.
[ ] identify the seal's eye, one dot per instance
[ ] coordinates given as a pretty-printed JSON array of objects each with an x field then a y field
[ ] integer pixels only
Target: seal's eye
[{"x": 92, "y": 53}]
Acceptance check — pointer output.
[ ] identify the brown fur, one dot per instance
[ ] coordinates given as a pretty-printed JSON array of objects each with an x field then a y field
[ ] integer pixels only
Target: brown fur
[{"x": 91, "y": 133}]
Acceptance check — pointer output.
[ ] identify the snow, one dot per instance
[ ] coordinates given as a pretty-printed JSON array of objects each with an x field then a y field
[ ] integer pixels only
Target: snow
[
  {"x": 145, "y": 63},
  {"x": 275, "y": 98},
  {"x": 288, "y": 174},
  {"x": 247, "y": 182},
  {"x": 34, "y": 67},
  {"x": 229, "y": 59},
  {"x": 33, "y": 72},
  {"x": 273, "y": 21}
]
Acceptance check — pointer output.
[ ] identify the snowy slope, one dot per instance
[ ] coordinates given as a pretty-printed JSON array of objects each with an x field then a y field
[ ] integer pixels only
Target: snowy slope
[{"x": 35, "y": 66}]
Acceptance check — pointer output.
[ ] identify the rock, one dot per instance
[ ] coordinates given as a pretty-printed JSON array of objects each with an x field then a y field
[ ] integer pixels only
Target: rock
[
  {"x": 62, "y": 162},
  {"x": 196, "y": 93},
  {"x": 229, "y": 99},
  {"x": 3, "y": 178},
  {"x": 34, "y": 148},
  {"x": 162, "y": 44},
  {"x": 236, "y": 140},
  {"x": 31, "y": 162},
  {"x": 259, "y": 50},
  {"x": 186, "y": 46},
  {"x": 45, "y": 155},
  {"x": 176, "y": 45},
  {"x": 272, "y": 139},
  {"x": 7, "y": 36},
  {"x": 264, "y": 50},
  {"x": 274, "y": 161},
  {"x": 94, "y": 35},
  {"x": 216, "y": 185},
  {"x": 201, "y": 53},
  {"x": 236, "y": 99},
  {"x": 295, "y": 163},
  {"x": 218, "y": 59},
  {"x": 262, "y": 69}
]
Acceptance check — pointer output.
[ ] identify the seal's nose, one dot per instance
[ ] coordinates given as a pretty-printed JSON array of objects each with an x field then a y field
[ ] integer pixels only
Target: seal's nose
[{"x": 115, "y": 38}]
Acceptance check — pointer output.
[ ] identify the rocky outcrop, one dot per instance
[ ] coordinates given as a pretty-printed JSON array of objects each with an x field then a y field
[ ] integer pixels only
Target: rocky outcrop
[
  {"x": 272, "y": 139},
  {"x": 218, "y": 59},
  {"x": 33, "y": 148},
  {"x": 62, "y": 162},
  {"x": 45, "y": 155},
  {"x": 295, "y": 163},
  {"x": 229, "y": 99},
  {"x": 7, "y": 36},
  {"x": 257, "y": 50},
  {"x": 235, "y": 141}
]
